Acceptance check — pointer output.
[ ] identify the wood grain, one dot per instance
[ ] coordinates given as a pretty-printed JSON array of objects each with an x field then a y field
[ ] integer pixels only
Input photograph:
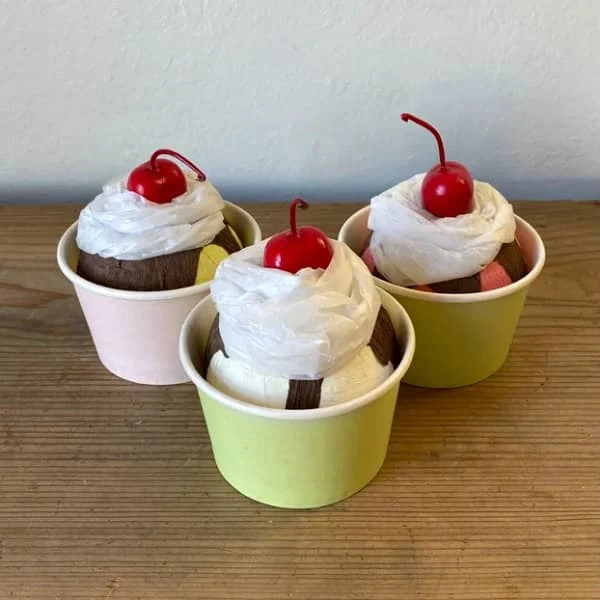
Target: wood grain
[{"x": 108, "y": 489}]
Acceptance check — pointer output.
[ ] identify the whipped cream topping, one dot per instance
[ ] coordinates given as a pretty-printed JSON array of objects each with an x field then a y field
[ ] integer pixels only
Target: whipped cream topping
[
  {"x": 302, "y": 326},
  {"x": 121, "y": 224},
  {"x": 410, "y": 246}
]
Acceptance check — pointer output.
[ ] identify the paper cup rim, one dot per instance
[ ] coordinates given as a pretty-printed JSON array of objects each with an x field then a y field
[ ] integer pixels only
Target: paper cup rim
[
  {"x": 283, "y": 414},
  {"x": 68, "y": 236},
  {"x": 460, "y": 298}
]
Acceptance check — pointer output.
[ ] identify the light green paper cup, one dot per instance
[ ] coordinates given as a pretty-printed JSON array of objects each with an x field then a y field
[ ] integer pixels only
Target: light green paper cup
[
  {"x": 461, "y": 338},
  {"x": 296, "y": 458}
]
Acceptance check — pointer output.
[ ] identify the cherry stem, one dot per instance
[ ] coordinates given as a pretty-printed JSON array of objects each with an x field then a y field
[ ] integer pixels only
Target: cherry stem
[
  {"x": 183, "y": 159},
  {"x": 432, "y": 129},
  {"x": 295, "y": 203}
]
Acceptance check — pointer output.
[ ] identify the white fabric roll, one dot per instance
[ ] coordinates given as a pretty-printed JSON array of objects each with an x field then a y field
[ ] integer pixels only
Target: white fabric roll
[
  {"x": 410, "y": 246},
  {"x": 358, "y": 376},
  {"x": 302, "y": 326},
  {"x": 124, "y": 225}
]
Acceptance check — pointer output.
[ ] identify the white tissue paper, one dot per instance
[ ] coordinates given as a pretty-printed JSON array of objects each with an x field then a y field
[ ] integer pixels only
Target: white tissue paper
[
  {"x": 124, "y": 225},
  {"x": 302, "y": 326},
  {"x": 411, "y": 246}
]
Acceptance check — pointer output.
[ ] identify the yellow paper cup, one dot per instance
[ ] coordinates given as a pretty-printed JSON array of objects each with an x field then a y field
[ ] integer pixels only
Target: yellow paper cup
[
  {"x": 136, "y": 334},
  {"x": 461, "y": 338},
  {"x": 296, "y": 458}
]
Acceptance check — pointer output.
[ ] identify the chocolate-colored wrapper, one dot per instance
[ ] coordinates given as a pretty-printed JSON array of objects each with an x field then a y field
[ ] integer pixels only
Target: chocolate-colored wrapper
[{"x": 167, "y": 272}]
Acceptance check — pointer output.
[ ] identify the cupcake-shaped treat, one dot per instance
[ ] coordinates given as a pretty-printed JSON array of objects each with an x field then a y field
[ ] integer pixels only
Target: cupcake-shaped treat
[
  {"x": 299, "y": 323},
  {"x": 443, "y": 232},
  {"x": 158, "y": 228}
]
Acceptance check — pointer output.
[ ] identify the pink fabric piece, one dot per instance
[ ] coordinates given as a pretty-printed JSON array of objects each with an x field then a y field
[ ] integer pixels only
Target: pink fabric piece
[
  {"x": 368, "y": 259},
  {"x": 493, "y": 277}
]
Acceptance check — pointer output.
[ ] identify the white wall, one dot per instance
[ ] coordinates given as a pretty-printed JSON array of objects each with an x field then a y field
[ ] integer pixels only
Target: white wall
[{"x": 274, "y": 98}]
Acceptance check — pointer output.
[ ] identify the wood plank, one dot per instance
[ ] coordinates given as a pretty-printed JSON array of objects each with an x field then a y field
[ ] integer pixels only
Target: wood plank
[{"x": 108, "y": 490}]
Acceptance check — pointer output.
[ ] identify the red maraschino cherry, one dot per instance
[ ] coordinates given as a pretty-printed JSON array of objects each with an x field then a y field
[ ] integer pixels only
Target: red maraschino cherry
[
  {"x": 160, "y": 180},
  {"x": 298, "y": 248},
  {"x": 447, "y": 189}
]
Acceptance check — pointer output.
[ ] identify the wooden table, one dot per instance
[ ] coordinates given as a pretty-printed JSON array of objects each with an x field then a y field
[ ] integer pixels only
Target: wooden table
[{"x": 108, "y": 489}]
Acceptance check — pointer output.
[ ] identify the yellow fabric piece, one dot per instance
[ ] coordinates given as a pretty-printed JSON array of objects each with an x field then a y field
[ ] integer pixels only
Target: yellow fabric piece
[{"x": 208, "y": 261}]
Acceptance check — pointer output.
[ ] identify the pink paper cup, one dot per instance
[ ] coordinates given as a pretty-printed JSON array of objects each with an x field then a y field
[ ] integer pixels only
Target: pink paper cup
[
  {"x": 461, "y": 338},
  {"x": 136, "y": 334}
]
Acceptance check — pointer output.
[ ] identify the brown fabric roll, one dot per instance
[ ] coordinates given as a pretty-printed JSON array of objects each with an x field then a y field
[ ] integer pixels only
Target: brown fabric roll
[
  {"x": 304, "y": 394},
  {"x": 383, "y": 341},
  {"x": 511, "y": 259},
  {"x": 227, "y": 240},
  {"x": 214, "y": 343},
  {"x": 167, "y": 272},
  {"x": 462, "y": 285}
]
